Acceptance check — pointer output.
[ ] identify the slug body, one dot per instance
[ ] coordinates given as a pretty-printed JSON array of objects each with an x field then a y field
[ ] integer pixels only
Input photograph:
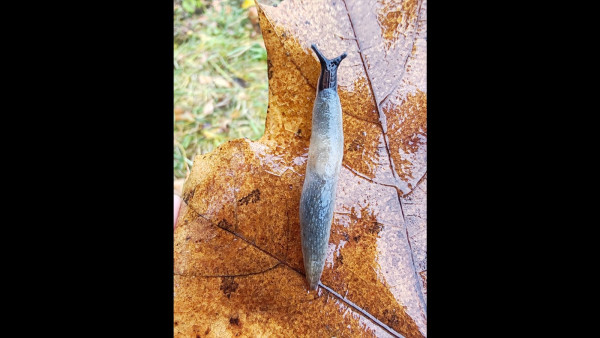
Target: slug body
[{"x": 325, "y": 155}]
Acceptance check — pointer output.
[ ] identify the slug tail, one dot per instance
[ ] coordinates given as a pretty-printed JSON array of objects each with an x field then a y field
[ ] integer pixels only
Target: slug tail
[
  {"x": 328, "y": 77},
  {"x": 312, "y": 277}
]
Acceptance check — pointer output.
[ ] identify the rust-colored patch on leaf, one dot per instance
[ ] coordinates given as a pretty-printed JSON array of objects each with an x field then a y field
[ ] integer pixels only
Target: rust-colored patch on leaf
[
  {"x": 407, "y": 121},
  {"x": 393, "y": 14},
  {"x": 413, "y": 122},
  {"x": 228, "y": 285},
  {"x": 238, "y": 267}
]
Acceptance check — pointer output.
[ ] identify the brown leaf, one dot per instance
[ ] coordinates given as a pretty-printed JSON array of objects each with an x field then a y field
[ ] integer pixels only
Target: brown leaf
[
  {"x": 238, "y": 259},
  {"x": 186, "y": 116},
  {"x": 208, "y": 109}
]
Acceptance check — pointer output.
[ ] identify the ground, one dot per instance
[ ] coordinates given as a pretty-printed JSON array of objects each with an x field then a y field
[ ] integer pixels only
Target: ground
[{"x": 220, "y": 77}]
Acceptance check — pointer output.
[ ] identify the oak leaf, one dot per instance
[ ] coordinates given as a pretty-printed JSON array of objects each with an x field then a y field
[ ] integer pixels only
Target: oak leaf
[{"x": 238, "y": 267}]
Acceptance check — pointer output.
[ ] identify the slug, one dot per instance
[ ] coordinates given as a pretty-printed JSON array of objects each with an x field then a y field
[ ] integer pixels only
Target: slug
[{"x": 325, "y": 154}]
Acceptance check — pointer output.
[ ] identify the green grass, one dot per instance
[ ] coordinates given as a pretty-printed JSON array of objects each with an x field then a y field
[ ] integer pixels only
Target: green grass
[{"x": 220, "y": 78}]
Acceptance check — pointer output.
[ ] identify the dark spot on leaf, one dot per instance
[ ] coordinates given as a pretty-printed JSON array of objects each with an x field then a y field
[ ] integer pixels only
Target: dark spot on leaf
[
  {"x": 283, "y": 35},
  {"x": 176, "y": 323},
  {"x": 235, "y": 321},
  {"x": 253, "y": 197},
  {"x": 207, "y": 330},
  {"x": 391, "y": 318},
  {"x": 355, "y": 145},
  {"x": 188, "y": 195},
  {"x": 269, "y": 69},
  {"x": 188, "y": 238},
  {"x": 228, "y": 285},
  {"x": 307, "y": 22},
  {"x": 340, "y": 259},
  {"x": 356, "y": 238},
  {"x": 224, "y": 224},
  {"x": 375, "y": 228}
]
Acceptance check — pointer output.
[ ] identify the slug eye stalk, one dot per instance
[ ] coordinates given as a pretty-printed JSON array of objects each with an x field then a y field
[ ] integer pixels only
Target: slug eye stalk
[{"x": 328, "y": 77}]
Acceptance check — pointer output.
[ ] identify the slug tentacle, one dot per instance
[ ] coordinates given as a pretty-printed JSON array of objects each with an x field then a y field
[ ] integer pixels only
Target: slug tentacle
[
  {"x": 328, "y": 77},
  {"x": 325, "y": 155}
]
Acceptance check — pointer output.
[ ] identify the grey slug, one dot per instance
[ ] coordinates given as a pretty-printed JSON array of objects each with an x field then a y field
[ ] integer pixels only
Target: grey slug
[{"x": 322, "y": 170}]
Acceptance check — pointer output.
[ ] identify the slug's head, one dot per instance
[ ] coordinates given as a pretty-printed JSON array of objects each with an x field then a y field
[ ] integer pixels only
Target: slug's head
[{"x": 328, "y": 77}]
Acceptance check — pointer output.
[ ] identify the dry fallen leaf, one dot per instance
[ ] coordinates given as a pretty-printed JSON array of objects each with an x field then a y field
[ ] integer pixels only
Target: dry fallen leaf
[
  {"x": 221, "y": 82},
  {"x": 238, "y": 259},
  {"x": 186, "y": 116},
  {"x": 208, "y": 109}
]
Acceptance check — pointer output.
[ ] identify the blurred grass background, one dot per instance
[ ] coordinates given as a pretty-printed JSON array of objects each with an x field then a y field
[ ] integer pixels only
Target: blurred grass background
[{"x": 220, "y": 77}]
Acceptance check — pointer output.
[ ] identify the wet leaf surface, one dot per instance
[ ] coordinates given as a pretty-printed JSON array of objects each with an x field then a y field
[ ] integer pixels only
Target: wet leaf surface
[{"x": 238, "y": 259}]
